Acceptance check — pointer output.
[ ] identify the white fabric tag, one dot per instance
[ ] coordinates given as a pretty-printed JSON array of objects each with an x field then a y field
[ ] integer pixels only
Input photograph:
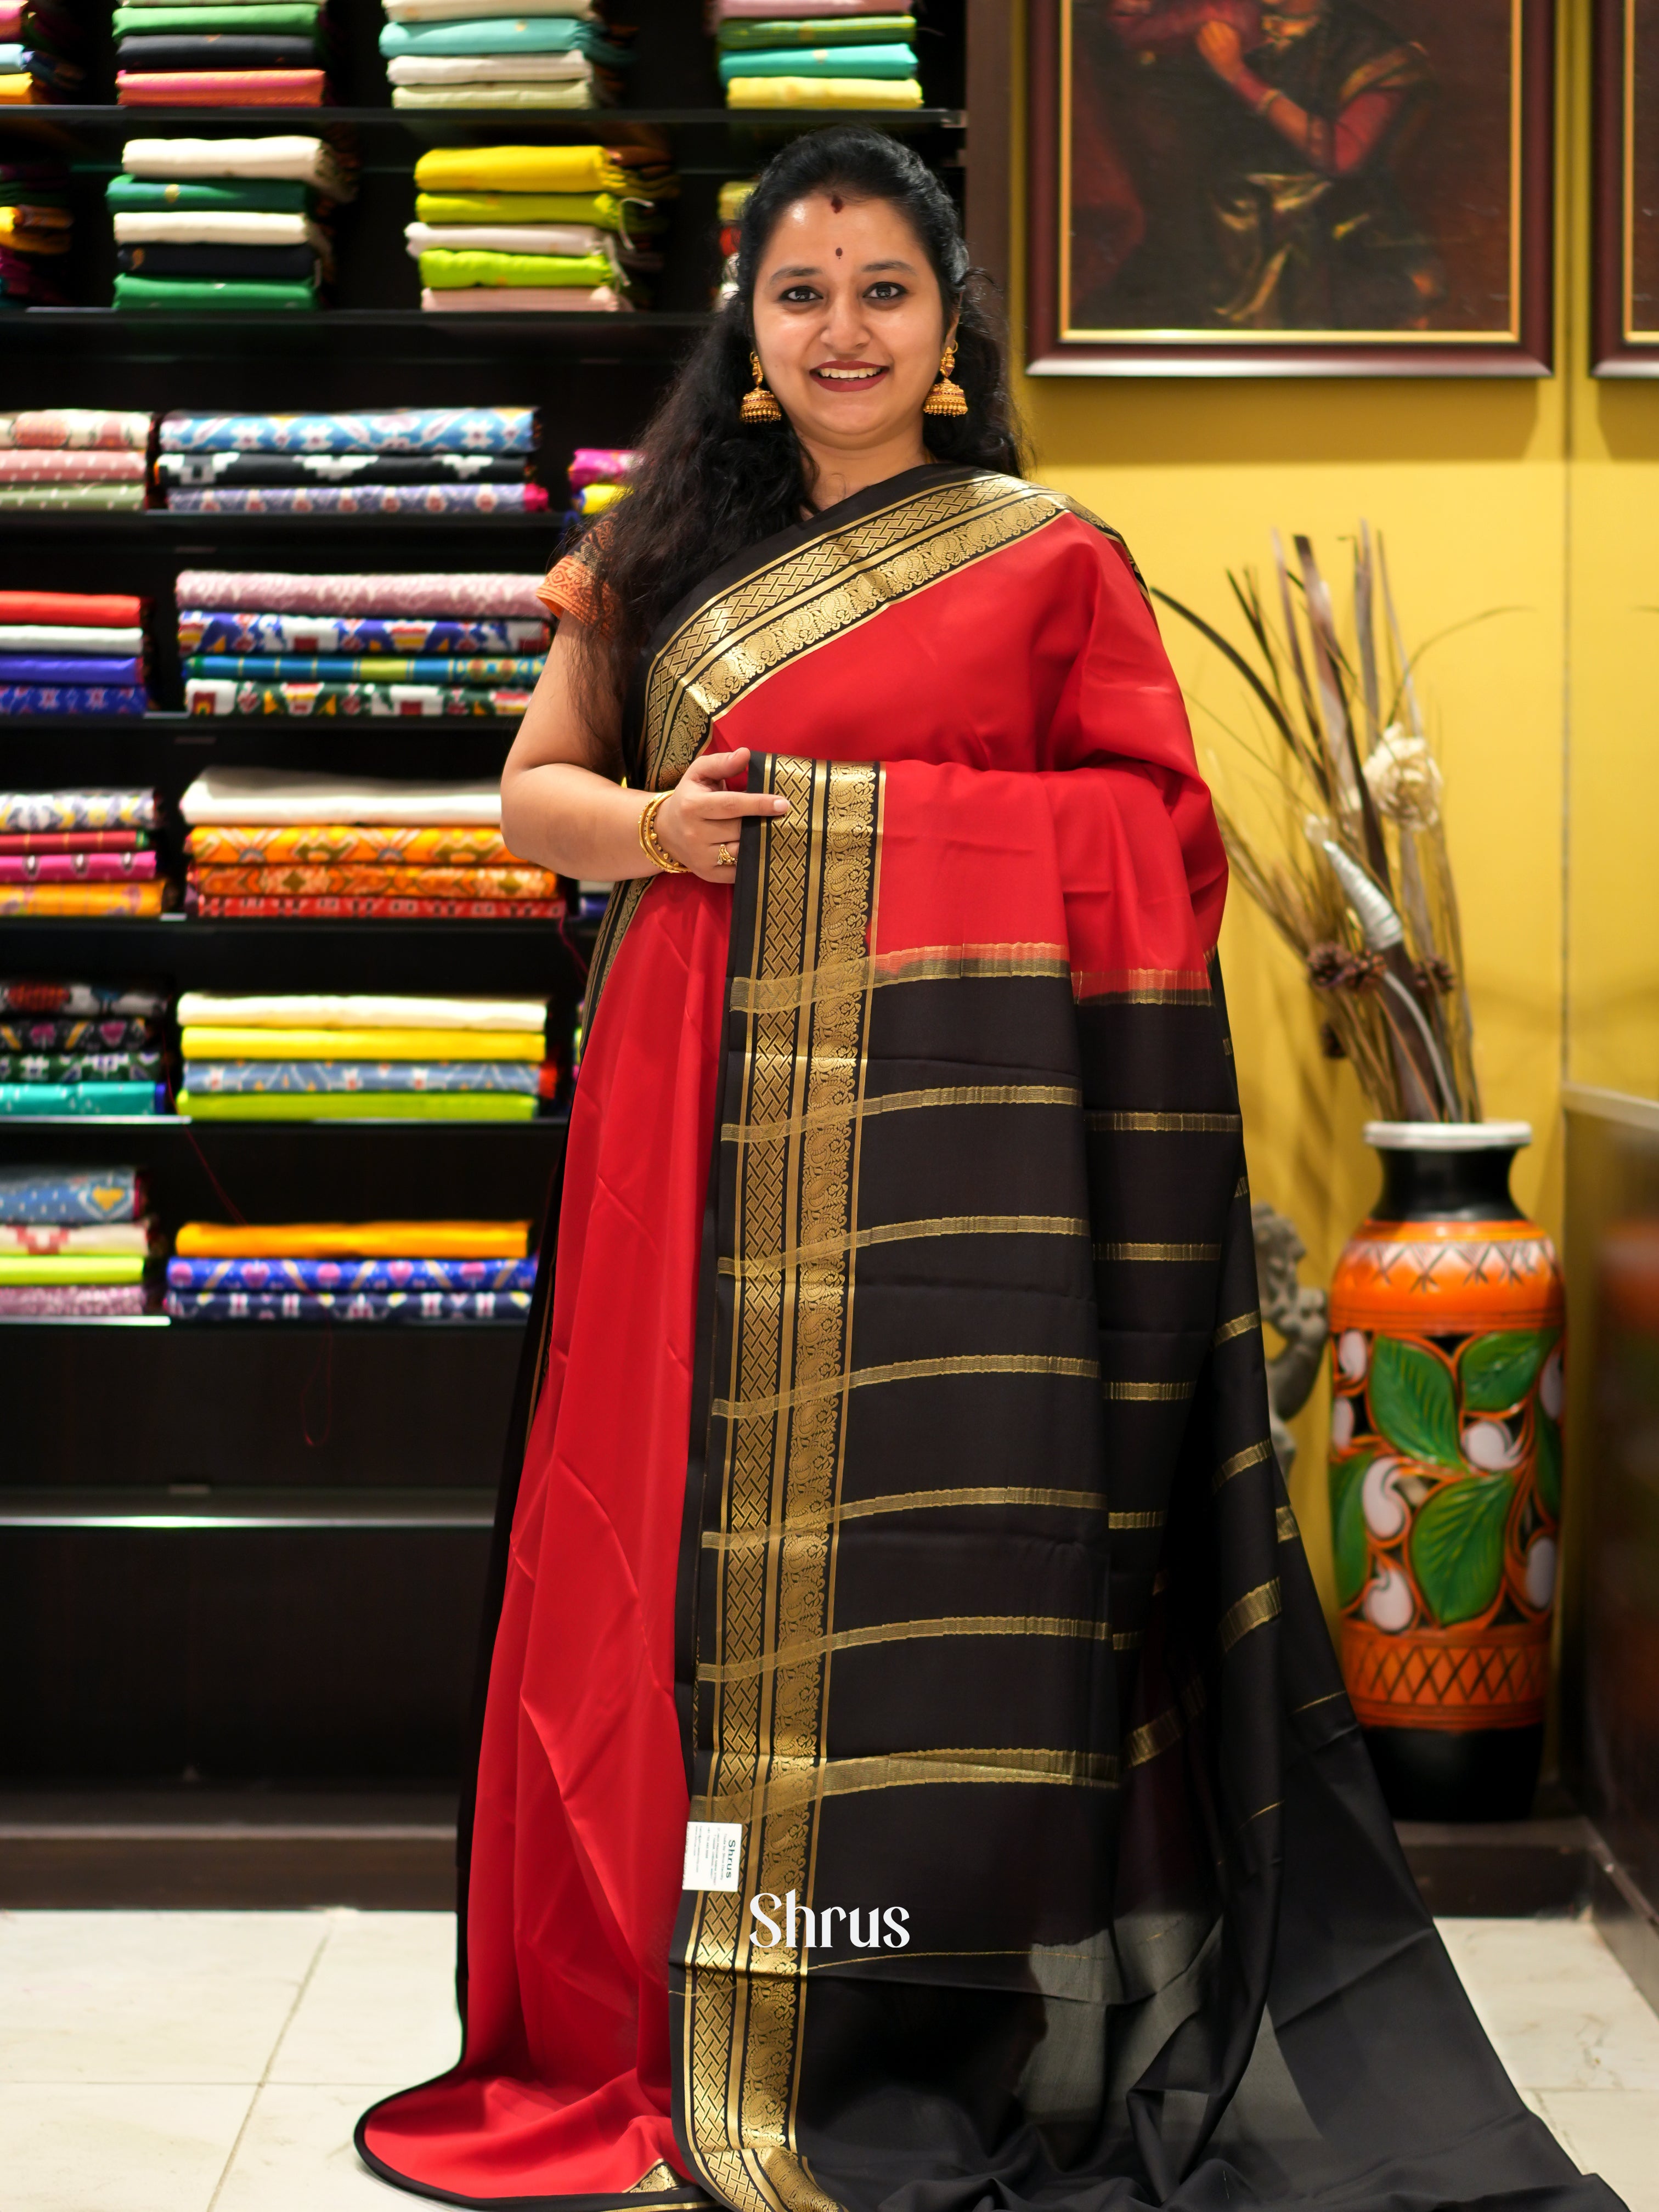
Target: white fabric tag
[{"x": 713, "y": 1854}]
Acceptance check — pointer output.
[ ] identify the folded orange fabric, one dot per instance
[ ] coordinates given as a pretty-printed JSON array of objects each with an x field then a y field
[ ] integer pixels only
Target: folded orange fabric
[
  {"x": 355, "y": 1240},
  {"x": 329, "y": 844},
  {"x": 220, "y": 88},
  {"x": 84, "y": 898}
]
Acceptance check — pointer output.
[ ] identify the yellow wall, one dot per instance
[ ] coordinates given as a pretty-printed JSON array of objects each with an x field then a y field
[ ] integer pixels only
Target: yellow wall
[{"x": 1540, "y": 497}]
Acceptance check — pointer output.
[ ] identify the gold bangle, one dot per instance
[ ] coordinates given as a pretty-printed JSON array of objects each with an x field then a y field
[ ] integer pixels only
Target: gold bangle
[{"x": 651, "y": 845}]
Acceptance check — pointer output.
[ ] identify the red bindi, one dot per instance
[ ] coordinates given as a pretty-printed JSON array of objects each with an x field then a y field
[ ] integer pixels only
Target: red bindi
[
  {"x": 835, "y": 202},
  {"x": 838, "y": 253}
]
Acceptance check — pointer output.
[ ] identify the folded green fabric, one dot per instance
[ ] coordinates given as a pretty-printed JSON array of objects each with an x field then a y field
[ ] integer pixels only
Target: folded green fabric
[
  {"x": 605, "y": 210},
  {"x": 211, "y": 294},
  {"x": 256, "y": 16},
  {"x": 71, "y": 1267},
  {"x": 125, "y": 195},
  {"x": 444, "y": 271},
  {"x": 821, "y": 61},
  {"x": 105, "y": 498},
  {"x": 503, "y": 34},
  {"x": 809, "y": 31},
  {"x": 358, "y": 1105}
]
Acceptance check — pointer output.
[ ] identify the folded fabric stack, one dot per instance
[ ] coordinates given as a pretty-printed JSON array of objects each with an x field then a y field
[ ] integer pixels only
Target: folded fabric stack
[
  {"x": 471, "y": 53},
  {"x": 267, "y": 643},
  {"x": 226, "y": 223},
  {"x": 301, "y": 1058},
  {"x": 73, "y": 457},
  {"x": 416, "y": 460},
  {"x": 815, "y": 53},
  {"x": 372, "y": 1271},
  {"x": 57, "y": 856},
  {"x": 529, "y": 228},
  {"x": 80, "y": 1048},
  {"x": 36, "y": 226},
  {"x": 267, "y": 844},
  {"x": 598, "y": 477},
  {"x": 73, "y": 1241},
  {"x": 733, "y": 198},
  {"x": 39, "y": 45},
  {"x": 221, "y": 53},
  {"x": 72, "y": 652}
]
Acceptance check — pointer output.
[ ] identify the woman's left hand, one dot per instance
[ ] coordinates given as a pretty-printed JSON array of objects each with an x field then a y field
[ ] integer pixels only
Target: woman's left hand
[{"x": 1223, "y": 48}]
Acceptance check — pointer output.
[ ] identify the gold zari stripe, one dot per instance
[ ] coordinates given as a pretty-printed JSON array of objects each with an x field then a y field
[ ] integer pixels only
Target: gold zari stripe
[
  {"x": 803, "y": 1649},
  {"x": 906, "y": 1232},
  {"x": 1126, "y": 1521},
  {"x": 905, "y": 1501},
  {"x": 932, "y": 964},
  {"x": 905, "y": 1370},
  {"x": 1164, "y": 1125},
  {"x": 1156, "y": 1735},
  {"x": 1253, "y": 1610},
  {"x": 1284, "y": 1523},
  {"x": 1142, "y": 987},
  {"x": 812, "y": 1780},
  {"x": 1159, "y": 1252},
  {"x": 1252, "y": 1455},
  {"x": 1148, "y": 1393},
  {"x": 1241, "y": 1325},
  {"x": 904, "y": 1102}
]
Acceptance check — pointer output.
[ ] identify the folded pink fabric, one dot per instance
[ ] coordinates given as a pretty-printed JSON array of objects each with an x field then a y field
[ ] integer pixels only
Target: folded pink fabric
[
  {"x": 11, "y": 18},
  {"x": 601, "y": 465},
  {"x": 220, "y": 88},
  {"x": 523, "y": 299},
  {"x": 472, "y": 595},
  {"x": 39, "y": 465}
]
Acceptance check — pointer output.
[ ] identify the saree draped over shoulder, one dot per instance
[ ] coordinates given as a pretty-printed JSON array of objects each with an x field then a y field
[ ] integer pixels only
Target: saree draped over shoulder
[{"x": 914, "y": 1771}]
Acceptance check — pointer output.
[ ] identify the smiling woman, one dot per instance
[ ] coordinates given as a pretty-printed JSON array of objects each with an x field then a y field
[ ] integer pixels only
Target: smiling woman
[{"x": 898, "y": 1518}]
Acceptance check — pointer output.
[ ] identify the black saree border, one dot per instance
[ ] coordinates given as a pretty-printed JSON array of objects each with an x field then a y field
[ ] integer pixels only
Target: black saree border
[{"x": 805, "y": 894}]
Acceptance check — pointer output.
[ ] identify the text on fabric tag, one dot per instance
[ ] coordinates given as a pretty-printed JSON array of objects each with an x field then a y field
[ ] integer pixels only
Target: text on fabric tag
[{"x": 713, "y": 1854}]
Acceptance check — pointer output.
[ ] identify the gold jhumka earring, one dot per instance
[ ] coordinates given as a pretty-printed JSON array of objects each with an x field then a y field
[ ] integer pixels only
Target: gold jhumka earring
[
  {"x": 759, "y": 405},
  {"x": 947, "y": 396}
]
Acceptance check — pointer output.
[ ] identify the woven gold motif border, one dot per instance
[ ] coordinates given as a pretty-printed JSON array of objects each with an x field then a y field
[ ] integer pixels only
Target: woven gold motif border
[
  {"x": 818, "y": 592},
  {"x": 777, "y": 1444}
]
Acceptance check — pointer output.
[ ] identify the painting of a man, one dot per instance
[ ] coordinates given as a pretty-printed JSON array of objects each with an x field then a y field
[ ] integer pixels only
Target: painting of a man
[{"x": 1299, "y": 166}]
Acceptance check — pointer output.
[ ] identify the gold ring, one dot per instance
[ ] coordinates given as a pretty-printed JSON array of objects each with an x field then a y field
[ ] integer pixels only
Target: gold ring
[{"x": 724, "y": 859}]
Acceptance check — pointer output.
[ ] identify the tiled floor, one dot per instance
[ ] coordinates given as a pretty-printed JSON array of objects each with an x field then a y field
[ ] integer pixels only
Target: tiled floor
[{"x": 215, "y": 2062}]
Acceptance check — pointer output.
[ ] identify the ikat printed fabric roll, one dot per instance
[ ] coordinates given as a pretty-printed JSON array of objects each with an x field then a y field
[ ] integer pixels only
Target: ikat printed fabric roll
[
  {"x": 73, "y": 699},
  {"x": 74, "y": 429},
  {"x": 98, "y": 1239},
  {"x": 406, "y": 430},
  {"x": 514, "y": 674},
  {"x": 68, "y": 457},
  {"x": 82, "y": 1299},
  {"x": 89, "y": 1067},
  {"x": 211, "y": 907},
  {"x": 460, "y": 1276},
  {"x": 203, "y": 630},
  {"x": 76, "y": 872},
  {"x": 72, "y": 1036},
  {"x": 76, "y": 867},
  {"x": 411, "y": 500},
  {"x": 258, "y": 1077},
  {"x": 491, "y": 595},
  {"x": 80, "y": 1002},
  {"x": 227, "y": 696},
  {"x": 106, "y": 1057},
  {"x": 348, "y": 1306},
  {"x": 238, "y": 471},
  {"x": 68, "y": 1196},
  {"x": 32, "y": 810}
]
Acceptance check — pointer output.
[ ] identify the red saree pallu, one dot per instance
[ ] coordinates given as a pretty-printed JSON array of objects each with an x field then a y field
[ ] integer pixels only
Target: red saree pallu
[{"x": 914, "y": 1770}]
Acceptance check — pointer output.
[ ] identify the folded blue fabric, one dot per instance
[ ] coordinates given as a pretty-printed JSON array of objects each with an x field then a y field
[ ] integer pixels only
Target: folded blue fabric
[
  {"x": 459, "y": 1276},
  {"x": 348, "y": 1305},
  {"x": 258, "y": 1077},
  {"x": 36, "y": 668},
  {"x": 73, "y": 699},
  {"x": 56, "y": 1194},
  {"x": 503, "y": 34}
]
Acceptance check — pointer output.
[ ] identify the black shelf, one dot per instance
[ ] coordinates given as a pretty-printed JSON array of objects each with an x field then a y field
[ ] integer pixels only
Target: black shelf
[
  {"x": 143, "y": 524},
  {"x": 397, "y": 333},
  {"x": 193, "y": 1506}
]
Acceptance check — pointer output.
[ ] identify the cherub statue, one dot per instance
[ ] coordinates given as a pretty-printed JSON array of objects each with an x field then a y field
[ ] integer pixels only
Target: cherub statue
[{"x": 1302, "y": 1317}]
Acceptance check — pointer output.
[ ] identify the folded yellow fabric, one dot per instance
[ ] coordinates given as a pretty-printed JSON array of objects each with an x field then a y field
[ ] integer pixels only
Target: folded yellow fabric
[
  {"x": 519, "y": 169},
  {"x": 356, "y": 1106},
  {"x": 823, "y": 92},
  {"x": 273, "y": 1043},
  {"x": 71, "y": 1267},
  {"x": 355, "y": 1240}
]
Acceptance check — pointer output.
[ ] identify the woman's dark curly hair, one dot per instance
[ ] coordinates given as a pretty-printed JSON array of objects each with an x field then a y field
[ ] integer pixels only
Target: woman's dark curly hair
[{"x": 708, "y": 484}]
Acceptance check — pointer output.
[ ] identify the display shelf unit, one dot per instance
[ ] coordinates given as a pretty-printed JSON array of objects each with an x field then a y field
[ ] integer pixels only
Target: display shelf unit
[{"x": 258, "y": 1550}]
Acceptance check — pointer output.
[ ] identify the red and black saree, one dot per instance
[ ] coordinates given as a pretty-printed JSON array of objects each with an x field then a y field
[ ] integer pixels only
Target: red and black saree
[{"x": 914, "y": 1770}]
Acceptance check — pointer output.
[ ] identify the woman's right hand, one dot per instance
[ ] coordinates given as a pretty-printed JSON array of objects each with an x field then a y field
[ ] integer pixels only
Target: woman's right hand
[{"x": 700, "y": 819}]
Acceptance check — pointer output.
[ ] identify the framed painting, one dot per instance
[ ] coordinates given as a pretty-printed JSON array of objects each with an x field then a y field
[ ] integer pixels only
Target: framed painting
[
  {"x": 1291, "y": 187},
  {"x": 1625, "y": 141}
]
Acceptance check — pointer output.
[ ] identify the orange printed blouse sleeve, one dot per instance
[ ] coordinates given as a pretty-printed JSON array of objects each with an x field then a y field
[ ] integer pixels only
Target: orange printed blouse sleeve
[{"x": 570, "y": 587}]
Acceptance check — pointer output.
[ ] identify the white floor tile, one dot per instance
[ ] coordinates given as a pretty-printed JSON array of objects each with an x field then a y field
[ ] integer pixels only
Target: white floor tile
[
  {"x": 125, "y": 2146},
  {"x": 296, "y": 2156},
  {"x": 194, "y": 1998},
  {"x": 381, "y": 2005},
  {"x": 1556, "y": 2002},
  {"x": 1614, "y": 2133}
]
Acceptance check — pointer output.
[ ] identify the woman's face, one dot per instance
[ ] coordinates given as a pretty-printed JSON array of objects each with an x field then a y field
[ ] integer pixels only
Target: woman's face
[{"x": 849, "y": 323}]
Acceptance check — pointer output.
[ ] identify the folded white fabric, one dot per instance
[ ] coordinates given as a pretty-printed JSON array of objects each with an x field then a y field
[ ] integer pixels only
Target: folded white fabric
[
  {"x": 573, "y": 94},
  {"x": 509, "y": 237},
  {"x": 488, "y": 69},
  {"x": 523, "y": 299},
  {"x": 460, "y": 11},
  {"x": 217, "y": 226},
  {"x": 271, "y": 796},
  {"x": 301, "y": 159},
  {"x": 71, "y": 638},
  {"x": 365, "y": 1011}
]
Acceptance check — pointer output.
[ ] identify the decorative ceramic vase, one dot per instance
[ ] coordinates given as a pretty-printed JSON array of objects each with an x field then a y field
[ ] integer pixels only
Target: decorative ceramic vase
[{"x": 1446, "y": 1323}]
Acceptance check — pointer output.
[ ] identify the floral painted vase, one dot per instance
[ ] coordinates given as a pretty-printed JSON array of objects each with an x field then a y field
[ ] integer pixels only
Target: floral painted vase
[{"x": 1446, "y": 1345}]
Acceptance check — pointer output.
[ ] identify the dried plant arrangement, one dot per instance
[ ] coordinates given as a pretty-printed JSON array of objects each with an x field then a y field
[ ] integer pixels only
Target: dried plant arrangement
[{"x": 1360, "y": 884}]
